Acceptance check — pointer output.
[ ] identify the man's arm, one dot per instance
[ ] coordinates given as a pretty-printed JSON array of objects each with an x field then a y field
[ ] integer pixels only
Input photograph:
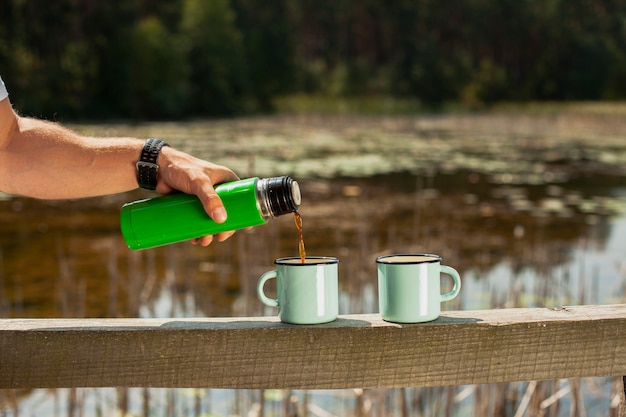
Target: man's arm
[{"x": 45, "y": 160}]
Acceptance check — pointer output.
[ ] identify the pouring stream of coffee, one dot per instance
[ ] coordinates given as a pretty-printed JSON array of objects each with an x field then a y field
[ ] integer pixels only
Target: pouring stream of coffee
[{"x": 298, "y": 219}]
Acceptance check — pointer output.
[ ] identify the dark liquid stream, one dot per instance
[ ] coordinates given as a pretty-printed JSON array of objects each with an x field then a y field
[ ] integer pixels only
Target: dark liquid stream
[{"x": 298, "y": 219}]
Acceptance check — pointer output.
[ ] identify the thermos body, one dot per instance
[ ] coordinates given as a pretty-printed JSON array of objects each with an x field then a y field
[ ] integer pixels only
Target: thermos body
[{"x": 178, "y": 217}]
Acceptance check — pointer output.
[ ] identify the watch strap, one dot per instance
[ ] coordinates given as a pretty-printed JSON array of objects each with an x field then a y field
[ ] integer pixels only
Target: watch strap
[{"x": 147, "y": 167}]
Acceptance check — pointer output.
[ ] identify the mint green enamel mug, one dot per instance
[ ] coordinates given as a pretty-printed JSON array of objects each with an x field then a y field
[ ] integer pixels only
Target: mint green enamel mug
[
  {"x": 307, "y": 293},
  {"x": 409, "y": 287}
]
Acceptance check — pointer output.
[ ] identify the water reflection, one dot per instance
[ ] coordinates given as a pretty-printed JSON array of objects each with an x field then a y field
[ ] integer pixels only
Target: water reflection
[
  {"x": 66, "y": 259},
  {"x": 519, "y": 236}
]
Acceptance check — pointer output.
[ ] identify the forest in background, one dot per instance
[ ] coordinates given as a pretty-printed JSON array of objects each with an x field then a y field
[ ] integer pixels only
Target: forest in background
[{"x": 150, "y": 59}]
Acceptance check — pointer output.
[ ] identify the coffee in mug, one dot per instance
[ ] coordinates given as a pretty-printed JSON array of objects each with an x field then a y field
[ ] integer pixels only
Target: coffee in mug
[
  {"x": 409, "y": 287},
  {"x": 307, "y": 292}
]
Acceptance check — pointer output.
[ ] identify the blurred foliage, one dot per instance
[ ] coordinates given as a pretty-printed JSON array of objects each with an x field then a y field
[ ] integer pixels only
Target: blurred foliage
[{"x": 188, "y": 58}]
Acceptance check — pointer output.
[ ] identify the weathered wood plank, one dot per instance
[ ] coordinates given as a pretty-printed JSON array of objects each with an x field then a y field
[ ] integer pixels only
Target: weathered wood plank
[{"x": 461, "y": 347}]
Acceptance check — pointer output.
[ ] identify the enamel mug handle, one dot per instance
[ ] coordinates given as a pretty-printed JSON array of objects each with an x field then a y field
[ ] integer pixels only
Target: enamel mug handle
[
  {"x": 457, "y": 283},
  {"x": 259, "y": 289}
]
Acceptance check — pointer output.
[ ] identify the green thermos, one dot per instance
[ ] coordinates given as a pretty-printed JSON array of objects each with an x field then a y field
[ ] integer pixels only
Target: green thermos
[{"x": 178, "y": 217}]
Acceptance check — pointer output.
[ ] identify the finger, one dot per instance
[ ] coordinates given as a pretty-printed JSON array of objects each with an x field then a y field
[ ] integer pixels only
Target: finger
[
  {"x": 213, "y": 206},
  {"x": 203, "y": 241},
  {"x": 224, "y": 235}
]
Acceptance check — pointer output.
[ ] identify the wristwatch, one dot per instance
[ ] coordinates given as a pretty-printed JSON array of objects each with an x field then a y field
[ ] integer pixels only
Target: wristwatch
[{"x": 147, "y": 168}]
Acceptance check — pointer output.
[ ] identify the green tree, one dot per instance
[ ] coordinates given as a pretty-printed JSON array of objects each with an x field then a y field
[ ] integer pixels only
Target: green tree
[
  {"x": 216, "y": 56},
  {"x": 268, "y": 41},
  {"x": 159, "y": 72}
]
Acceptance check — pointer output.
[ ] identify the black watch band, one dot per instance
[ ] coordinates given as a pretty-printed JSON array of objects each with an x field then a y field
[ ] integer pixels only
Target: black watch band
[{"x": 147, "y": 168}]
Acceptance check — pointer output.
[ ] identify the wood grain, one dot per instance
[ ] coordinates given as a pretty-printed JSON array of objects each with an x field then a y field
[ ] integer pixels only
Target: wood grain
[{"x": 356, "y": 351}]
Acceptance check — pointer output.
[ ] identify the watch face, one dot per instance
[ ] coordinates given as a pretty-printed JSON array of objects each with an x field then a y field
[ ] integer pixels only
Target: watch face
[
  {"x": 147, "y": 168},
  {"x": 147, "y": 175}
]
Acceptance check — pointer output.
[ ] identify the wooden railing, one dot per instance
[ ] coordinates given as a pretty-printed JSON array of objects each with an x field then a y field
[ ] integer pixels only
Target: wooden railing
[{"x": 356, "y": 351}]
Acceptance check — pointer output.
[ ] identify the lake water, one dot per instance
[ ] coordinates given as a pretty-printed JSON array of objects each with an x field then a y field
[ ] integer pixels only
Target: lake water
[{"x": 529, "y": 208}]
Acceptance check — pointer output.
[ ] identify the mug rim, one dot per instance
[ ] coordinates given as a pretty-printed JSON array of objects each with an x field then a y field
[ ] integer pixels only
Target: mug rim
[
  {"x": 321, "y": 260},
  {"x": 381, "y": 259}
]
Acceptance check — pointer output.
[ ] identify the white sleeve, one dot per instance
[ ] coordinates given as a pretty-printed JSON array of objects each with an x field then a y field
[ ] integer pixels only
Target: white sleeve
[{"x": 3, "y": 90}]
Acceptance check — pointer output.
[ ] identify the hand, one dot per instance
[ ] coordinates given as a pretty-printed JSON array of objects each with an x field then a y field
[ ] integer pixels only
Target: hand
[{"x": 179, "y": 171}]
